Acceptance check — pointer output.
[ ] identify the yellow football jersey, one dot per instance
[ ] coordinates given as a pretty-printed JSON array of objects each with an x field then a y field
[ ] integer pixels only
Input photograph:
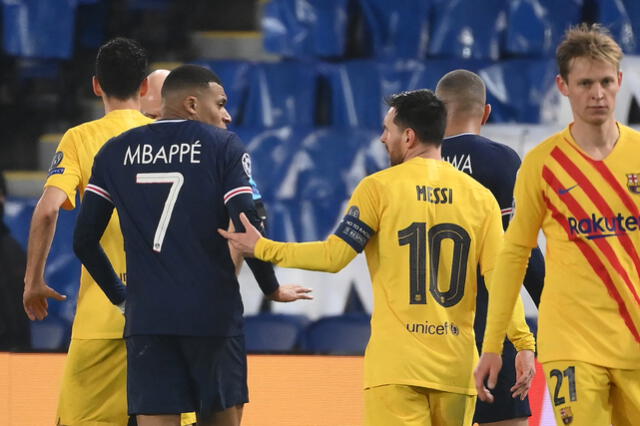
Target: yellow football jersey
[
  {"x": 96, "y": 317},
  {"x": 589, "y": 212},
  {"x": 425, "y": 227}
]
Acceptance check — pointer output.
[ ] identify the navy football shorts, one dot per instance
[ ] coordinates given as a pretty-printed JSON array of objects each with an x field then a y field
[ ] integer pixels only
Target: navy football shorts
[
  {"x": 504, "y": 406},
  {"x": 181, "y": 374}
]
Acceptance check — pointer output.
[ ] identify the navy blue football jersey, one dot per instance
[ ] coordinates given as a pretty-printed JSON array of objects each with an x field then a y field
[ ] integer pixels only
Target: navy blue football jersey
[
  {"x": 170, "y": 182},
  {"x": 495, "y": 166}
]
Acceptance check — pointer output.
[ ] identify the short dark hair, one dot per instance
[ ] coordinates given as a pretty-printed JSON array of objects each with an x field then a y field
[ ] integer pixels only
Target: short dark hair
[
  {"x": 421, "y": 111},
  {"x": 189, "y": 77},
  {"x": 121, "y": 66}
]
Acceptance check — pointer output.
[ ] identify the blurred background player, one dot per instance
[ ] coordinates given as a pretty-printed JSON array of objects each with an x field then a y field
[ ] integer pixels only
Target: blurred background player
[
  {"x": 423, "y": 246},
  {"x": 15, "y": 333},
  {"x": 174, "y": 182},
  {"x": 151, "y": 102},
  {"x": 97, "y": 354},
  {"x": 581, "y": 187},
  {"x": 495, "y": 166}
]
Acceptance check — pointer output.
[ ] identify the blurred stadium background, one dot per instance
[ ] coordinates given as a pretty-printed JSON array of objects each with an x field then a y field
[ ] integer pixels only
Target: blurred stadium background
[{"x": 306, "y": 81}]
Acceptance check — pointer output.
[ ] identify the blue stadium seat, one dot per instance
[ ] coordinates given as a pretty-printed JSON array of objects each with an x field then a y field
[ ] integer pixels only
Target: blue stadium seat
[
  {"x": 518, "y": 99},
  {"x": 39, "y": 29},
  {"x": 399, "y": 29},
  {"x": 318, "y": 182},
  {"x": 50, "y": 334},
  {"x": 234, "y": 79},
  {"x": 269, "y": 333},
  {"x": 357, "y": 88},
  {"x": 280, "y": 94},
  {"x": 63, "y": 268},
  {"x": 613, "y": 14},
  {"x": 355, "y": 93},
  {"x": 271, "y": 153},
  {"x": 467, "y": 28},
  {"x": 338, "y": 335},
  {"x": 528, "y": 31},
  {"x": 561, "y": 15},
  {"x": 633, "y": 11},
  {"x": 298, "y": 29}
]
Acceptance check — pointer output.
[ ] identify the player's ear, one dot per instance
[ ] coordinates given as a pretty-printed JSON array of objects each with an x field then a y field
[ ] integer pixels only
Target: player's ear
[
  {"x": 486, "y": 113},
  {"x": 562, "y": 85},
  {"x": 409, "y": 137},
  {"x": 97, "y": 89},
  {"x": 190, "y": 104},
  {"x": 144, "y": 87}
]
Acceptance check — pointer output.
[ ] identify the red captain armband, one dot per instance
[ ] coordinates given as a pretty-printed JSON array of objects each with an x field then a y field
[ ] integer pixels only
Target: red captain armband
[{"x": 353, "y": 231}]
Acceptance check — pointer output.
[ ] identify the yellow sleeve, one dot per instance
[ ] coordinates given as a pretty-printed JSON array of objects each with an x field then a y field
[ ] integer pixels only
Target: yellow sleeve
[
  {"x": 529, "y": 204},
  {"x": 65, "y": 172},
  {"x": 352, "y": 235},
  {"x": 518, "y": 330},
  {"x": 330, "y": 256},
  {"x": 506, "y": 312}
]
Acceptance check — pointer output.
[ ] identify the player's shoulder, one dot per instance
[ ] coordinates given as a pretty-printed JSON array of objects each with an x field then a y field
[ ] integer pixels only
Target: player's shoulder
[
  {"x": 629, "y": 133},
  {"x": 540, "y": 152}
]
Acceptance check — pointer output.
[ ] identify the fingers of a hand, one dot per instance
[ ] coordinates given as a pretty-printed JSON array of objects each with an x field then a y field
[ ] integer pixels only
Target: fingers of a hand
[
  {"x": 493, "y": 377},
  {"x": 245, "y": 221},
  {"x": 485, "y": 395},
  {"x": 55, "y": 295},
  {"x": 224, "y": 233}
]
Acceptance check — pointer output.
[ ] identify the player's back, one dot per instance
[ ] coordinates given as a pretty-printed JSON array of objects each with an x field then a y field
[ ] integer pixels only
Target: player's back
[
  {"x": 493, "y": 164},
  {"x": 435, "y": 224},
  {"x": 70, "y": 171},
  {"x": 168, "y": 181}
]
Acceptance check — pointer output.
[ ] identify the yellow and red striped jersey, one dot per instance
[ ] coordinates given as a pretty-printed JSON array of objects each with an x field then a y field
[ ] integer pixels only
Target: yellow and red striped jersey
[{"x": 589, "y": 212}]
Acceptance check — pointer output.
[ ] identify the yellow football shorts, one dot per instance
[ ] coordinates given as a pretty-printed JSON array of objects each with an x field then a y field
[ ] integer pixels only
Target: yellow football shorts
[
  {"x": 403, "y": 405},
  {"x": 94, "y": 385},
  {"x": 588, "y": 394}
]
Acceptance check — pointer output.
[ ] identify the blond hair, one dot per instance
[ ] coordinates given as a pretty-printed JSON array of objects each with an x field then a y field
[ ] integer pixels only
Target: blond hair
[{"x": 587, "y": 40}]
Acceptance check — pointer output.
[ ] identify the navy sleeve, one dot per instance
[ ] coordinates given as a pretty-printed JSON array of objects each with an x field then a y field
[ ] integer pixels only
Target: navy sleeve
[
  {"x": 534, "y": 277},
  {"x": 95, "y": 212},
  {"x": 238, "y": 199}
]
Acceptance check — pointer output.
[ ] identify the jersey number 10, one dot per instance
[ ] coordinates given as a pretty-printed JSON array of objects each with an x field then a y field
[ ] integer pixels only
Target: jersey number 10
[{"x": 415, "y": 235}]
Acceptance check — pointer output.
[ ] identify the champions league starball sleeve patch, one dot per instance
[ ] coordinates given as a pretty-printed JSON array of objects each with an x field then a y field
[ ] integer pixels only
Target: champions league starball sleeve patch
[
  {"x": 57, "y": 159},
  {"x": 353, "y": 231}
]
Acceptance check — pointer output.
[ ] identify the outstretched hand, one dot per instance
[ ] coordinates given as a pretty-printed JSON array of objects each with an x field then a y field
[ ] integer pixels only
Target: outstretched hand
[
  {"x": 34, "y": 300},
  {"x": 291, "y": 293},
  {"x": 488, "y": 367},
  {"x": 244, "y": 242}
]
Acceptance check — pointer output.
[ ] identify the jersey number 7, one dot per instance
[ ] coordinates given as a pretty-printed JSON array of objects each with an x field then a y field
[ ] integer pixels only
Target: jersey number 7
[
  {"x": 176, "y": 180},
  {"x": 415, "y": 235}
]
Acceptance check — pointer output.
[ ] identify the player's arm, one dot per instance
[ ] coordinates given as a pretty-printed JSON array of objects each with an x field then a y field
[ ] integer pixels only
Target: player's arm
[
  {"x": 534, "y": 277},
  {"x": 243, "y": 204},
  {"x": 95, "y": 213},
  {"x": 43, "y": 228},
  {"x": 509, "y": 272},
  {"x": 330, "y": 255},
  {"x": 60, "y": 191}
]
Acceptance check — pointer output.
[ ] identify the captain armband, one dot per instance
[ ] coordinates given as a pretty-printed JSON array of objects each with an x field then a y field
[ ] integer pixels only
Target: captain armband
[{"x": 353, "y": 231}]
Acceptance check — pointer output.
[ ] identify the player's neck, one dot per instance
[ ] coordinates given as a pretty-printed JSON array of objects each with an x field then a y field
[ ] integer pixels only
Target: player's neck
[
  {"x": 597, "y": 141},
  {"x": 112, "y": 104},
  {"x": 461, "y": 127},
  {"x": 425, "y": 151}
]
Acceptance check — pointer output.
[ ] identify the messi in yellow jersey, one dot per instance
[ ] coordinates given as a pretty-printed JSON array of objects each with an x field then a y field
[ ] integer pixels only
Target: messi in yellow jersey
[
  {"x": 581, "y": 187},
  {"x": 94, "y": 380},
  {"x": 425, "y": 228}
]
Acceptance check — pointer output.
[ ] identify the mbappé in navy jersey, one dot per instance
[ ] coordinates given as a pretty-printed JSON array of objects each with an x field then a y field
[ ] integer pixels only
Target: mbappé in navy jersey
[
  {"x": 495, "y": 166},
  {"x": 170, "y": 181}
]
